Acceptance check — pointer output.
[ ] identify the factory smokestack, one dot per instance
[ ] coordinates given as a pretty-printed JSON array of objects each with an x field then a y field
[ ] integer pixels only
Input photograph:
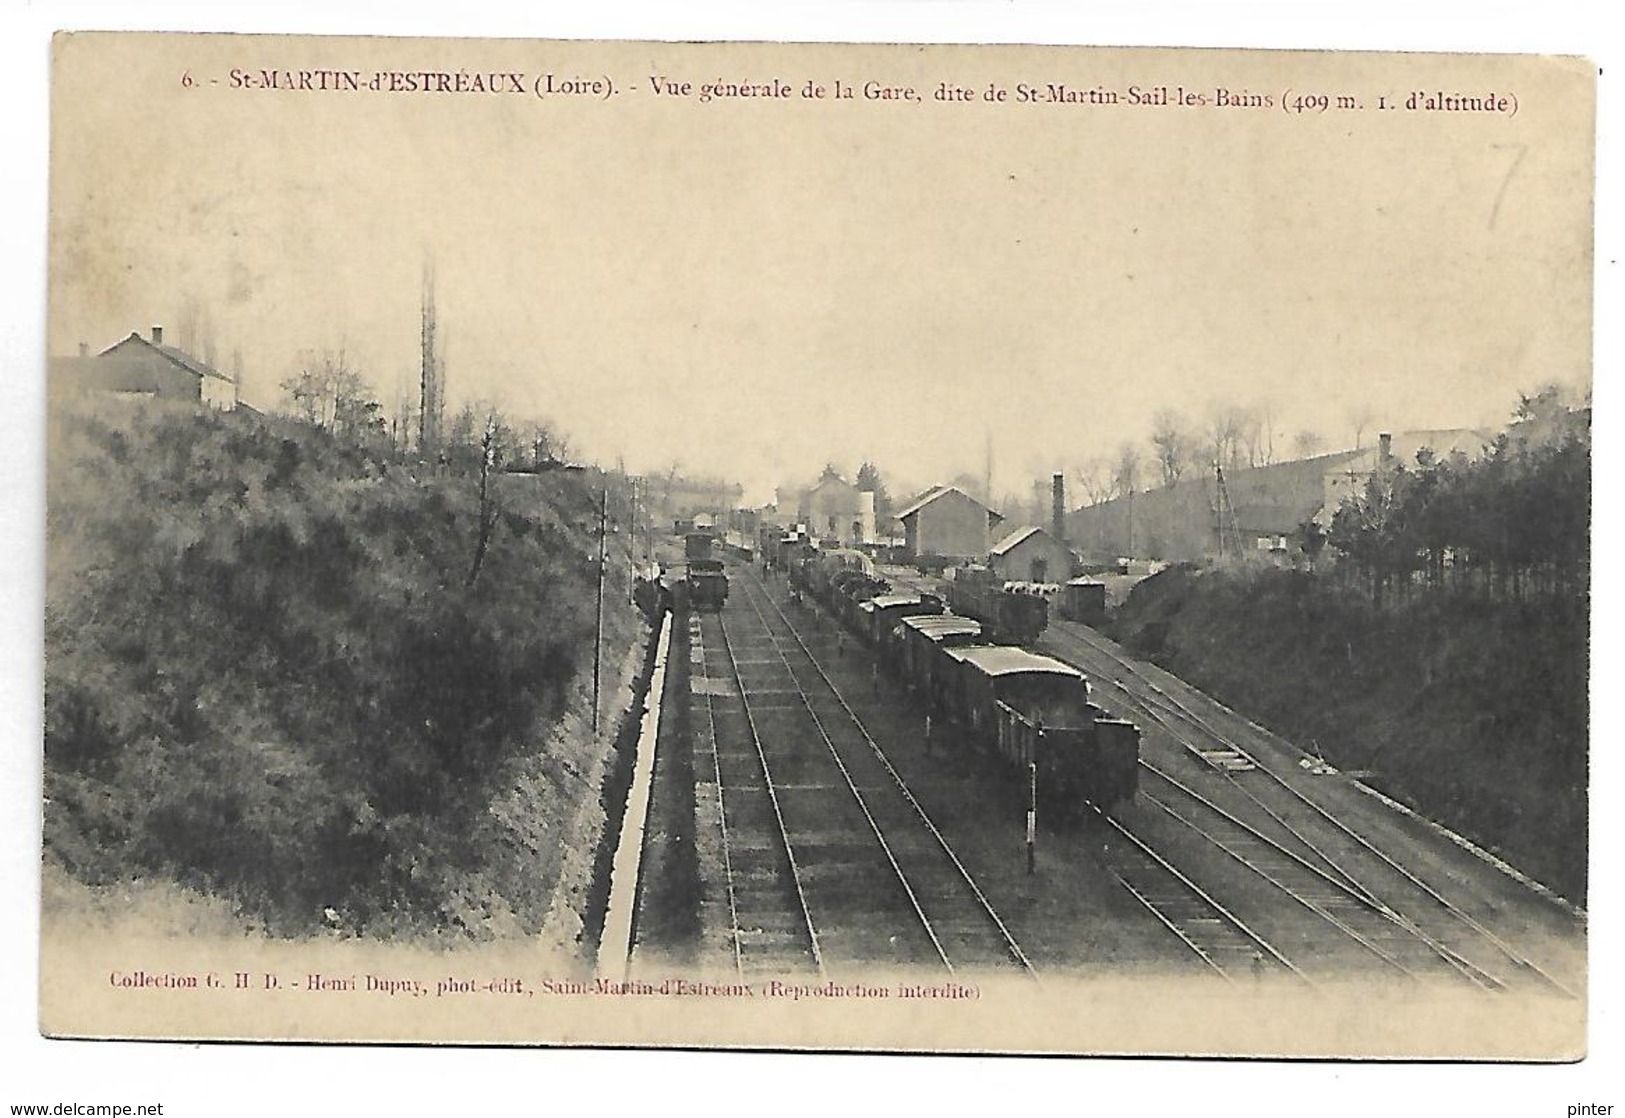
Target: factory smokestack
[{"x": 1057, "y": 490}]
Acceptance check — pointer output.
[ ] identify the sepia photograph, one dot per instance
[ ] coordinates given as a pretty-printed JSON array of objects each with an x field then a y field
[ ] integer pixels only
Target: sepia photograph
[{"x": 862, "y": 547}]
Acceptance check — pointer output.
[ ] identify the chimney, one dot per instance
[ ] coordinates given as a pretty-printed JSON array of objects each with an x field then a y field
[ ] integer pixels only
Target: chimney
[
  {"x": 157, "y": 335},
  {"x": 84, "y": 349},
  {"x": 1385, "y": 447},
  {"x": 1057, "y": 489}
]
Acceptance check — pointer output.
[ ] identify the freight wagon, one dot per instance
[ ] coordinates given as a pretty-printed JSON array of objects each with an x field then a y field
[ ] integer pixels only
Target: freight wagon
[
  {"x": 1032, "y": 708},
  {"x": 1007, "y": 617}
]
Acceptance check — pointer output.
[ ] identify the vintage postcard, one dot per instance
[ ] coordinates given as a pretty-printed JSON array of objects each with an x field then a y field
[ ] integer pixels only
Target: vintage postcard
[{"x": 863, "y": 547}]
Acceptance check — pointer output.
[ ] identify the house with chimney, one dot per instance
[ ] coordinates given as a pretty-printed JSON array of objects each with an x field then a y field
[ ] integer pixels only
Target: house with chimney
[
  {"x": 143, "y": 369},
  {"x": 1031, "y": 555}
]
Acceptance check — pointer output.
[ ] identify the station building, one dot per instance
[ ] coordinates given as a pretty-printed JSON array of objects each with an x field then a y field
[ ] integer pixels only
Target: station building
[{"x": 947, "y": 523}]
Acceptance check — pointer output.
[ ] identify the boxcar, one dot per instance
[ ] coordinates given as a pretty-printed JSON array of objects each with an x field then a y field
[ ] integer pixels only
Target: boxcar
[
  {"x": 1084, "y": 599},
  {"x": 918, "y": 651},
  {"x": 878, "y": 616},
  {"x": 1031, "y": 708}
]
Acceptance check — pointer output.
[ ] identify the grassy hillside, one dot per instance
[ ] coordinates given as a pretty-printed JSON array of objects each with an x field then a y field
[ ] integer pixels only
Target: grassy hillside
[
  {"x": 1472, "y": 711},
  {"x": 268, "y": 676}
]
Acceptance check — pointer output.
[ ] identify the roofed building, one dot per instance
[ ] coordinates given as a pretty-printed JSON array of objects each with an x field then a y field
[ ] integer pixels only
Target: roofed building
[
  {"x": 1257, "y": 511},
  {"x": 1031, "y": 555},
  {"x": 947, "y": 523},
  {"x": 833, "y": 508},
  {"x": 144, "y": 368}
]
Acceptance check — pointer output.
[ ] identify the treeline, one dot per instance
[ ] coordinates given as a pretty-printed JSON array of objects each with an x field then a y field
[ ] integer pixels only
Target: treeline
[
  {"x": 1513, "y": 525},
  {"x": 329, "y": 392},
  {"x": 270, "y": 674}
]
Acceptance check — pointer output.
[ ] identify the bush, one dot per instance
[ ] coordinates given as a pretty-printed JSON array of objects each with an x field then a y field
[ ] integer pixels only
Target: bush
[
  {"x": 1471, "y": 710},
  {"x": 267, "y": 675}
]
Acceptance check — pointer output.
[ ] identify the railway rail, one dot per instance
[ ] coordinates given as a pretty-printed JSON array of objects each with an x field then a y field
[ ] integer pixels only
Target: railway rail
[
  {"x": 1264, "y": 821},
  {"x": 1298, "y": 828},
  {"x": 1221, "y": 939},
  {"x": 852, "y": 870},
  {"x": 828, "y": 862},
  {"x": 955, "y": 915},
  {"x": 770, "y": 929}
]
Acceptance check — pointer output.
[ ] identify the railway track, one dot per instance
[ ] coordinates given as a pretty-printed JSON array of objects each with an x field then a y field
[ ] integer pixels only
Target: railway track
[
  {"x": 1333, "y": 930},
  {"x": 1421, "y": 930},
  {"x": 1307, "y": 896},
  {"x": 918, "y": 897},
  {"x": 1350, "y": 936},
  {"x": 769, "y": 927},
  {"x": 1224, "y": 942}
]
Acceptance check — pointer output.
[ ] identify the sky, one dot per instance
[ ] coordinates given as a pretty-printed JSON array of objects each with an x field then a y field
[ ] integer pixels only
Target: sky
[{"x": 751, "y": 289}]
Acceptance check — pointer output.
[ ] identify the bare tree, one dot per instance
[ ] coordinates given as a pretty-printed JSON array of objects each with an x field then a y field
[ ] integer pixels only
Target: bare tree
[
  {"x": 1038, "y": 501},
  {"x": 1172, "y": 443},
  {"x": 1306, "y": 443},
  {"x": 405, "y": 420},
  {"x": 189, "y": 324},
  {"x": 542, "y": 442},
  {"x": 1225, "y": 432},
  {"x": 1127, "y": 477},
  {"x": 304, "y": 393},
  {"x": 1258, "y": 432},
  {"x": 328, "y": 392},
  {"x": 1097, "y": 479}
]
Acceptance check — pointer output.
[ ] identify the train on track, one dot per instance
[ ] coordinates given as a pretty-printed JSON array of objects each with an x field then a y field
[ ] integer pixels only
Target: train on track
[
  {"x": 1008, "y": 616},
  {"x": 705, "y": 581},
  {"x": 1029, "y": 710}
]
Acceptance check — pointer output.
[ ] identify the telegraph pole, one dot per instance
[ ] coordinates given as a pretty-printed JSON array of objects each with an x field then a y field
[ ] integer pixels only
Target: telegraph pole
[
  {"x": 632, "y": 546},
  {"x": 1032, "y": 814},
  {"x": 598, "y": 638}
]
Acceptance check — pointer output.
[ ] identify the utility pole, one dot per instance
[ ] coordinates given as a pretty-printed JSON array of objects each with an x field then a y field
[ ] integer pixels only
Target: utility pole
[
  {"x": 598, "y": 638},
  {"x": 632, "y": 544},
  {"x": 1032, "y": 812}
]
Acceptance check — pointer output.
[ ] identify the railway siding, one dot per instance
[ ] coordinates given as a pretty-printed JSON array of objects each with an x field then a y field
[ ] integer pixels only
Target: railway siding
[
  {"x": 1070, "y": 915},
  {"x": 1319, "y": 815},
  {"x": 832, "y": 839}
]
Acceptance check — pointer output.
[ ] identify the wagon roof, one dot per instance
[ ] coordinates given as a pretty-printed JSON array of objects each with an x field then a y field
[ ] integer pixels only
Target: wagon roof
[
  {"x": 1085, "y": 580},
  {"x": 943, "y": 625},
  {"x": 889, "y": 601},
  {"x": 1002, "y": 660}
]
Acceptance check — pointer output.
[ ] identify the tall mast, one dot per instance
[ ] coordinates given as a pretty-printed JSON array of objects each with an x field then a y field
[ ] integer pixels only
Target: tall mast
[{"x": 432, "y": 401}]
